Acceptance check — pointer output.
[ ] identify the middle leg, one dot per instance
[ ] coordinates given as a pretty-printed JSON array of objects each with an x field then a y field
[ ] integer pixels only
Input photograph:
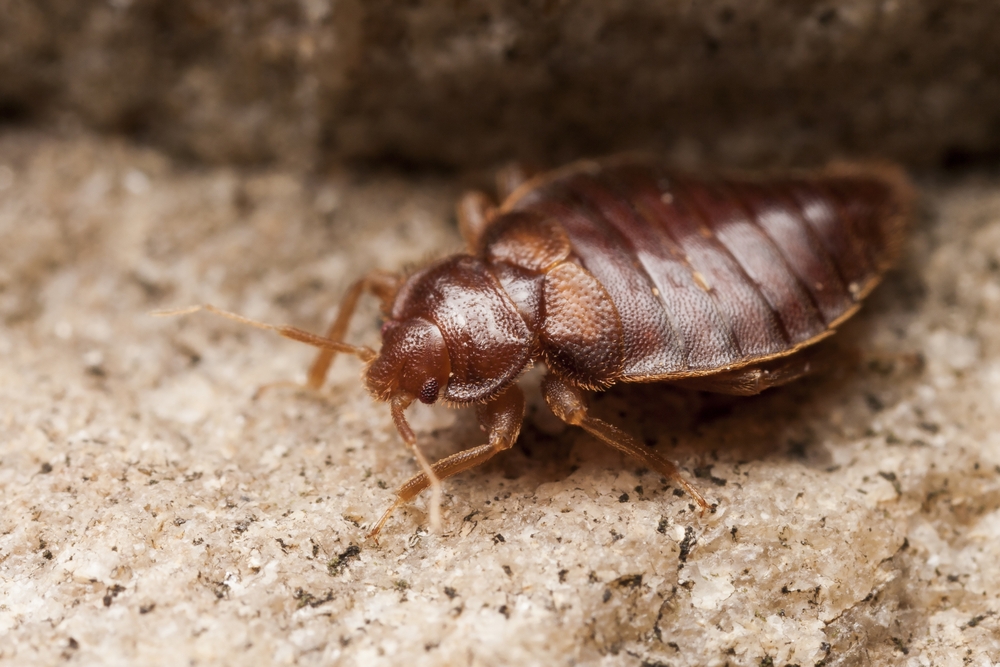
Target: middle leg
[
  {"x": 567, "y": 402},
  {"x": 475, "y": 210}
]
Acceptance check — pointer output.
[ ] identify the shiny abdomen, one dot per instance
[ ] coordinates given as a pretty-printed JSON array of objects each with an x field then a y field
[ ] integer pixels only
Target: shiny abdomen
[{"x": 713, "y": 273}]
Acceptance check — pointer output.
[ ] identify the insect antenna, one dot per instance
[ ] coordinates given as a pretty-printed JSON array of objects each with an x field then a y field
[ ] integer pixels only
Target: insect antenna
[{"x": 363, "y": 352}]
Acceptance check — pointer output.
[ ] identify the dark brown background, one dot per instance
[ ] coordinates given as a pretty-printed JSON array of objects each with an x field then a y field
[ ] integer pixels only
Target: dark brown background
[{"x": 471, "y": 83}]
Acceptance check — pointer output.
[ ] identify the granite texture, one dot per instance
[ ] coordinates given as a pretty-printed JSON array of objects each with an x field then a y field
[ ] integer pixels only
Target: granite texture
[
  {"x": 156, "y": 513},
  {"x": 465, "y": 83}
]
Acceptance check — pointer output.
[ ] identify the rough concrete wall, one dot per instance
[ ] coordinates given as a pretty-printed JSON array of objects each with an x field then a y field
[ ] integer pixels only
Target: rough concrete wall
[
  {"x": 155, "y": 513},
  {"x": 452, "y": 83}
]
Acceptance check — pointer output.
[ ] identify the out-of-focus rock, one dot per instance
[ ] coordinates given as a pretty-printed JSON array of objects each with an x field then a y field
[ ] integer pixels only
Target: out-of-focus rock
[{"x": 473, "y": 83}]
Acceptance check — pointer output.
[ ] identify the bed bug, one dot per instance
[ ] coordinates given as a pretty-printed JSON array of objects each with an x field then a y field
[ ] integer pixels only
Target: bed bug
[{"x": 620, "y": 271}]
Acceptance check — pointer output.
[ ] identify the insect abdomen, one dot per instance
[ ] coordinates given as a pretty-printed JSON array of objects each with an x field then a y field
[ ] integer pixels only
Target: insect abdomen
[{"x": 710, "y": 274}]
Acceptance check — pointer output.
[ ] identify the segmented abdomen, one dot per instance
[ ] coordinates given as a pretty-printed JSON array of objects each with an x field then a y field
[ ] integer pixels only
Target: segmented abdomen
[{"x": 707, "y": 274}]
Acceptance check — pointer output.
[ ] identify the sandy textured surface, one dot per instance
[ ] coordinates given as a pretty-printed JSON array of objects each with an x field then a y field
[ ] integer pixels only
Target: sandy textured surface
[{"x": 154, "y": 512}]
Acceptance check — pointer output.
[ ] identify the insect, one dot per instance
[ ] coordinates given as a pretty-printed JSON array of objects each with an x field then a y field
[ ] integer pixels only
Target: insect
[{"x": 620, "y": 271}]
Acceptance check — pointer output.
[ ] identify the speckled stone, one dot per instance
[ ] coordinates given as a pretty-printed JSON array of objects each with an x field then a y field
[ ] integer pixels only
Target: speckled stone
[{"x": 155, "y": 512}]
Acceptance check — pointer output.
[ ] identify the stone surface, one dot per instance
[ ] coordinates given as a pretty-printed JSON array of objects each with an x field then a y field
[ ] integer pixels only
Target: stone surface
[
  {"x": 155, "y": 512},
  {"x": 478, "y": 82}
]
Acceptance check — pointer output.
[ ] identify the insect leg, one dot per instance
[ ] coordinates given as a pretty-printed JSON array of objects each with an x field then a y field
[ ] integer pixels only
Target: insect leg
[
  {"x": 509, "y": 178},
  {"x": 501, "y": 418},
  {"x": 568, "y": 403},
  {"x": 753, "y": 380},
  {"x": 380, "y": 283},
  {"x": 475, "y": 211}
]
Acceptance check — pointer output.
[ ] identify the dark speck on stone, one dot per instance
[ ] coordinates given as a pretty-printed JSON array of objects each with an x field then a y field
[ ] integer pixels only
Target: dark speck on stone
[{"x": 687, "y": 543}]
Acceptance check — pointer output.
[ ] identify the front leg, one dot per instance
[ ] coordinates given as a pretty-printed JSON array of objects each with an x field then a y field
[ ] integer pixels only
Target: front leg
[
  {"x": 568, "y": 403},
  {"x": 384, "y": 285},
  {"x": 501, "y": 418}
]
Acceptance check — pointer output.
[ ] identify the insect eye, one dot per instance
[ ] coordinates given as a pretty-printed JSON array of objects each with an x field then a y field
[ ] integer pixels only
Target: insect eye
[{"x": 429, "y": 392}]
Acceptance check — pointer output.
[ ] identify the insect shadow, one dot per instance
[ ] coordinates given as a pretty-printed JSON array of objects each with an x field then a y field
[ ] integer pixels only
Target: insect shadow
[{"x": 701, "y": 430}]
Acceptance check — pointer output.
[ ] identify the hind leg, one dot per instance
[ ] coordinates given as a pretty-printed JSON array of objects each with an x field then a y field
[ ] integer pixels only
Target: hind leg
[{"x": 755, "y": 379}]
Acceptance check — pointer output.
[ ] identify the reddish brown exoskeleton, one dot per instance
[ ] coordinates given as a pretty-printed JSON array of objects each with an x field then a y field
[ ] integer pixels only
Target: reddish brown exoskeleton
[{"x": 621, "y": 271}]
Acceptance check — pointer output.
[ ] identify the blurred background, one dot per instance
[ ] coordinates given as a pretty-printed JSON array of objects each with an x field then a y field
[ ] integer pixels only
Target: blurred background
[{"x": 470, "y": 83}]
